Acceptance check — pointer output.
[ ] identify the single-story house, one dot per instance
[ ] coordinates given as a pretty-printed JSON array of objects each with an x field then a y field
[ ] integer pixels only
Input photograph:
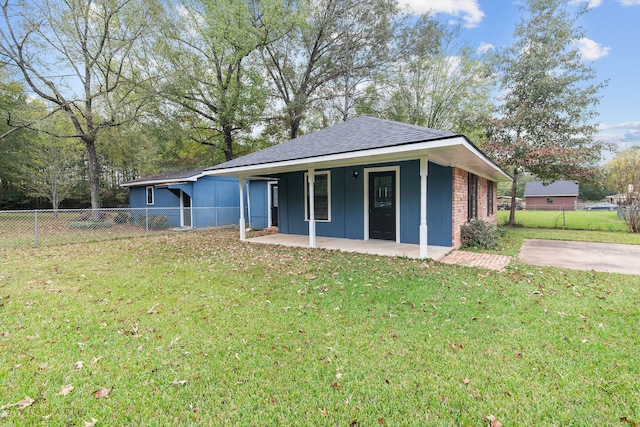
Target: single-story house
[
  {"x": 558, "y": 195},
  {"x": 191, "y": 199},
  {"x": 369, "y": 178}
]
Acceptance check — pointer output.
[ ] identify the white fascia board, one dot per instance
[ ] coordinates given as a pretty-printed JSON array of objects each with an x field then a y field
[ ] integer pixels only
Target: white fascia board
[
  {"x": 394, "y": 153},
  {"x": 550, "y": 195},
  {"x": 161, "y": 181}
]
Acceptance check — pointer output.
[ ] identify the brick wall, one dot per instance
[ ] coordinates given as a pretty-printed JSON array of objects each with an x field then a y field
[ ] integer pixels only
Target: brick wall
[
  {"x": 551, "y": 203},
  {"x": 459, "y": 208}
]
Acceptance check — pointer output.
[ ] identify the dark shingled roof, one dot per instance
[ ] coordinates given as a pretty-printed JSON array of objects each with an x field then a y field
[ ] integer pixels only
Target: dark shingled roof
[
  {"x": 358, "y": 134},
  {"x": 556, "y": 188},
  {"x": 166, "y": 177}
]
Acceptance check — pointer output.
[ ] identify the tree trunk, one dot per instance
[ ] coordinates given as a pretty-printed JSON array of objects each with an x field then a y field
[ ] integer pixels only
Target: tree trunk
[
  {"x": 514, "y": 186},
  {"x": 94, "y": 171},
  {"x": 294, "y": 125},
  {"x": 228, "y": 143}
]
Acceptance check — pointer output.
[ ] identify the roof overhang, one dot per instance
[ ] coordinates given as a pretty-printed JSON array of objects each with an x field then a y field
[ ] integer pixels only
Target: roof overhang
[
  {"x": 161, "y": 181},
  {"x": 457, "y": 152}
]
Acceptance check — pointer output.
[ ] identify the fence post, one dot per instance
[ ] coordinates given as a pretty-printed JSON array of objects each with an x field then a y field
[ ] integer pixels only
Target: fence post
[
  {"x": 146, "y": 221},
  {"x": 564, "y": 220},
  {"x": 36, "y": 229}
]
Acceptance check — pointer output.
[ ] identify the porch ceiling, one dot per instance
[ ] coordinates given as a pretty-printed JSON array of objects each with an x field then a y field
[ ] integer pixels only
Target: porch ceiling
[{"x": 455, "y": 152}]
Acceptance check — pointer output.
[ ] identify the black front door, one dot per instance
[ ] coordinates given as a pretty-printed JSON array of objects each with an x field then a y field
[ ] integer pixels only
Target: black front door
[
  {"x": 274, "y": 205},
  {"x": 382, "y": 205}
]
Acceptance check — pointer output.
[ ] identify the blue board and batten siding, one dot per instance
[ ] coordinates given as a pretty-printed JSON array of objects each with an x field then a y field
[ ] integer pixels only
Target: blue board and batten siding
[
  {"x": 259, "y": 204},
  {"x": 347, "y": 203},
  {"x": 220, "y": 193}
]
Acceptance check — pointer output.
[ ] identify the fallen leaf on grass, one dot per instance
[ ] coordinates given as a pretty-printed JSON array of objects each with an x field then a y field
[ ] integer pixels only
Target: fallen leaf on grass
[
  {"x": 323, "y": 411},
  {"x": 179, "y": 382},
  {"x": 466, "y": 380},
  {"x": 66, "y": 389},
  {"x": 628, "y": 421},
  {"x": 336, "y": 385},
  {"x": 79, "y": 365},
  {"x": 27, "y": 401},
  {"x": 494, "y": 421},
  {"x": 5, "y": 414},
  {"x": 381, "y": 421},
  {"x": 102, "y": 393},
  {"x": 90, "y": 423}
]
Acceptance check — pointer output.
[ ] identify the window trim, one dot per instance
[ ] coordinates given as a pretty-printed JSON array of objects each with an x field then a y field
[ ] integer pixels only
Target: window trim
[
  {"x": 152, "y": 193},
  {"x": 490, "y": 194},
  {"x": 306, "y": 195},
  {"x": 472, "y": 196}
]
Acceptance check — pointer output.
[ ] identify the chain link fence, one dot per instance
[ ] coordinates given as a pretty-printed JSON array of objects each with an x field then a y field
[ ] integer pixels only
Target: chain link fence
[{"x": 35, "y": 228}]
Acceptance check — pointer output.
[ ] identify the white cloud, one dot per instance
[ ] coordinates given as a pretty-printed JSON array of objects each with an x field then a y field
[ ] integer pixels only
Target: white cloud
[
  {"x": 468, "y": 9},
  {"x": 623, "y": 125},
  {"x": 623, "y": 135},
  {"x": 630, "y": 2},
  {"x": 591, "y": 50},
  {"x": 592, "y": 3},
  {"x": 485, "y": 47}
]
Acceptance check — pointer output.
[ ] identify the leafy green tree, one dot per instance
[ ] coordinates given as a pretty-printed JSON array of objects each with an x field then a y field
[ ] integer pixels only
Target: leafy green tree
[
  {"x": 624, "y": 177},
  {"x": 53, "y": 169},
  {"x": 77, "y": 56},
  {"x": 624, "y": 171},
  {"x": 12, "y": 101},
  {"x": 546, "y": 120},
  {"x": 209, "y": 50},
  {"x": 436, "y": 82}
]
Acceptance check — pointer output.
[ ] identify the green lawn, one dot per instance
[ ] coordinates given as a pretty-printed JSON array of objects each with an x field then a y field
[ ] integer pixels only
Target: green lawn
[
  {"x": 200, "y": 329},
  {"x": 574, "y": 220}
]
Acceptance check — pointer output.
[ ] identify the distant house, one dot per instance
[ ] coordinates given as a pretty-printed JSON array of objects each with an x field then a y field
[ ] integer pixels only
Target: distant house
[
  {"x": 559, "y": 195},
  {"x": 370, "y": 178},
  {"x": 189, "y": 199}
]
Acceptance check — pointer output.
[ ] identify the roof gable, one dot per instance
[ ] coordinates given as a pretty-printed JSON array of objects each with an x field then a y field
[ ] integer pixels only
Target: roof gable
[
  {"x": 360, "y": 141},
  {"x": 357, "y": 134},
  {"x": 556, "y": 188}
]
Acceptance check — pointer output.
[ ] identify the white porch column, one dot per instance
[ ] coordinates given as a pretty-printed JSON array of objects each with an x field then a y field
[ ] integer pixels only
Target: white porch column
[
  {"x": 242, "y": 225},
  {"x": 311, "y": 179},
  {"x": 423, "y": 207}
]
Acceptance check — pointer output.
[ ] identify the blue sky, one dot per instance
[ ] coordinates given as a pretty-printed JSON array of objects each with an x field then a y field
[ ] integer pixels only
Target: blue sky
[{"x": 612, "y": 48}]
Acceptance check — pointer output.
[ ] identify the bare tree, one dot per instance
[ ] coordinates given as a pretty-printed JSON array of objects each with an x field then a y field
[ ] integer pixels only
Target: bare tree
[
  {"x": 334, "y": 40},
  {"x": 77, "y": 56}
]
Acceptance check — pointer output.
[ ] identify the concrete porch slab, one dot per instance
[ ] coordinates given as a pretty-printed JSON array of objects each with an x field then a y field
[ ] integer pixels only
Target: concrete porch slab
[{"x": 373, "y": 247}]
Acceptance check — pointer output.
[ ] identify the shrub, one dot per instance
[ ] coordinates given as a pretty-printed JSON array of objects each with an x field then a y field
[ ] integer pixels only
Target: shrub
[
  {"x": 92, "y": 225},
  {"x": 123, "y": 218},
  {"x": 92, "y": 216},
  {"x": 478, "y": 233},
  {"x": 155, "y": 222}
]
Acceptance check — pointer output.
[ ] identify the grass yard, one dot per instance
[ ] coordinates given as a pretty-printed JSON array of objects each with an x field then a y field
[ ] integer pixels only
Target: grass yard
[
  {"x": 200, "y": 329},
  {"x": 574, "y": 220}
]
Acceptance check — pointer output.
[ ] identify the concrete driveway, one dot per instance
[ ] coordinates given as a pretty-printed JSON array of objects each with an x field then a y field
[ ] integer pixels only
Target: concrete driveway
[{"x": 608, "y": 257}]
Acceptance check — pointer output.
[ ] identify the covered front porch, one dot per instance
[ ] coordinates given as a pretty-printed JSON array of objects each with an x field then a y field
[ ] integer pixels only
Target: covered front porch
[{"x": 371, "y": 246}]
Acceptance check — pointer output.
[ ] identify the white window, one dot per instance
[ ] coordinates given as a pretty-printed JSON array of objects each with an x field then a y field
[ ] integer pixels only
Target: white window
[
  {"x": 321, "y": 199},
  {"x": 149, "y": 195}
]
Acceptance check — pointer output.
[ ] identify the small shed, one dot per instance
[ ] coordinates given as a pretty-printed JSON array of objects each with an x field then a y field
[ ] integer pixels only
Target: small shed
[
  {"x": 189, "y": 199},
  {"x": 555, "y": 196}
]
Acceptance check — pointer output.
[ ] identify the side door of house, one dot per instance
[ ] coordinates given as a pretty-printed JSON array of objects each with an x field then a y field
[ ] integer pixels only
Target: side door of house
[
  {"x": 382, "y": 205},
  {"x": 186, "y": 210}
]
